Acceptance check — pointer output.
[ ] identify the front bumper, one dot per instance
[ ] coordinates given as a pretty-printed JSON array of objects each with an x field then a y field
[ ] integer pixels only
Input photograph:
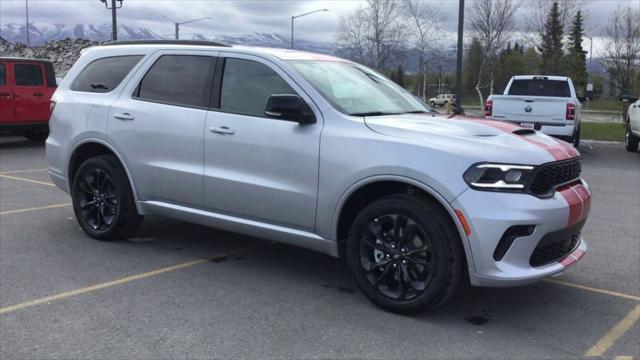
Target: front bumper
[{"x": 490, "y": 214}]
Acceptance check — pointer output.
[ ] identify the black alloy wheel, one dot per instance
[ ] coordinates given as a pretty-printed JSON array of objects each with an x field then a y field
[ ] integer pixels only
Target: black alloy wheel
[
  {"x": 103, "y": 200},
  {"x": 405, "y": 253},
  {"x": 98, "y": 200},
  {"x": 397, "y": 257}
]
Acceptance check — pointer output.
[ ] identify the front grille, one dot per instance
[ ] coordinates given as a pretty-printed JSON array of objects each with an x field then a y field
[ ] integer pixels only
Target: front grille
[
  {"x": 556, "y": 245},
  {"x": 550, "y": 175}
]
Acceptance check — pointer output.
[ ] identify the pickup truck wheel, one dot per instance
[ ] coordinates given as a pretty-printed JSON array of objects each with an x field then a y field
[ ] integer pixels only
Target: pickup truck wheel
[
  {"x": 102, "y": 199},
  {"x": 433, "y": 104},
  {"x": 630, "y": 141},
  {"x": 404, "y": 253},
  {"x": 575, "y": 139}
]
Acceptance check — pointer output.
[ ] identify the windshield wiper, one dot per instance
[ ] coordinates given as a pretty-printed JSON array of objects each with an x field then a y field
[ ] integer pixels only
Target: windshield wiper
[{"x": 372, "y": 113}]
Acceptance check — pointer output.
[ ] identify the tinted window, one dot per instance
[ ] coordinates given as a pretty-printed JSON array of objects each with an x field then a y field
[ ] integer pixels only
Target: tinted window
[
  {"x": 3, "y": 74},
  {"x": 177, "y": 79},
  {"x": 540, "y": 87},
  {"x": 104, "y": 75},
  {"x": 28, "y": 75},
  {"x": 246, "y": 86}
]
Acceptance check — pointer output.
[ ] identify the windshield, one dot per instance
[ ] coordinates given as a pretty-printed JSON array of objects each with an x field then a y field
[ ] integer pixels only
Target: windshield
[{"x": 357, "y": 90}]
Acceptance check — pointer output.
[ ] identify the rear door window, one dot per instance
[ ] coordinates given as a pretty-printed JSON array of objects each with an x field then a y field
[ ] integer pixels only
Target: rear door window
[
  {"x": 178, "y": 80},
  {"x": 540, "y": 87},
  {"x": 104, "y": 75},
  {"x": 3, "y": 74},
  {"x": 28, "y": 74}
]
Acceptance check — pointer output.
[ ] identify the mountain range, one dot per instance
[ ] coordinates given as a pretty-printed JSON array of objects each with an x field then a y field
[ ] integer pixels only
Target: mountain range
[{"x": 42, "y": 33}]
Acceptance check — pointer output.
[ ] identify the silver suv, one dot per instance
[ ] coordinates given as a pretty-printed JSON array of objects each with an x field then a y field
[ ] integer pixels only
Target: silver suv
[{"x": 318, "y": 152}]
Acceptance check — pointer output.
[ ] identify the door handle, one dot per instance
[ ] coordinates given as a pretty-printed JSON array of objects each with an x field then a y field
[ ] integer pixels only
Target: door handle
[
  {"x": 223, "y": 130},
  {"x": 38, "y": 94},
  {"x": 124, "y": 117}
]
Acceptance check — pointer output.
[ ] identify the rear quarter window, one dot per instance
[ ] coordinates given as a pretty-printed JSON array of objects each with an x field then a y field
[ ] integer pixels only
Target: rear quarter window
[
  {"x": 181, "y": 80},
  {"x": 540, "y": 87},
  {"x": 105, "y": 74}
]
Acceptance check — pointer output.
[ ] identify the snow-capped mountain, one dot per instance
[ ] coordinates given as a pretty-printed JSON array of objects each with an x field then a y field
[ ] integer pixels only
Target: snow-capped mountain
[{"x": 42, "y": 33}]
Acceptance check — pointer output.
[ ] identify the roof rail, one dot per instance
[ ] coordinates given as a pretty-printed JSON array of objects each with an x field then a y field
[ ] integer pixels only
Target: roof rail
[{"x": 165, "y": 42}]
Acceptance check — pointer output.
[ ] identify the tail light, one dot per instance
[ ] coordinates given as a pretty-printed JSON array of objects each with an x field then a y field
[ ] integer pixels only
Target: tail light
[
  {"x": 571, "y": 111},
  {"x": 488, "y": 108}
]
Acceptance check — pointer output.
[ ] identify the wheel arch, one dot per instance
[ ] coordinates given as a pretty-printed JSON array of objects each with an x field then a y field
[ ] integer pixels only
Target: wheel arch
[
  {"x": 92, "y": 147},
  {"x": 367, "y": 190}
]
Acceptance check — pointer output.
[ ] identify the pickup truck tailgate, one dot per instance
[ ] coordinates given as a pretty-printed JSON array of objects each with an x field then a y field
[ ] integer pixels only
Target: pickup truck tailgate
[{"x": 524, "y": 109}]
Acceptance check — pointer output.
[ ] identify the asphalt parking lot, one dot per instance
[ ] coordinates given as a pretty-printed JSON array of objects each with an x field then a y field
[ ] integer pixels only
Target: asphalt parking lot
[{"x": 179, "y": 290}]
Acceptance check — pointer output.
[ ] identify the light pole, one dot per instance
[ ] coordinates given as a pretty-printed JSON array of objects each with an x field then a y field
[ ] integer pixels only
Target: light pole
[
  {"x": 26, "y": 10},
  {"x": 459, "y": 109},
  {"x": 114, "y": 23},
  {"x": 301, "y": 15},
  {"x": 589, "y": 72},
  {"x": 177, "y": 24}
]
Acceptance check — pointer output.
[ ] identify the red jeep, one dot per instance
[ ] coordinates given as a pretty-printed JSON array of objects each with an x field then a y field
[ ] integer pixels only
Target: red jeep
[{"x": 26, "y": 86}]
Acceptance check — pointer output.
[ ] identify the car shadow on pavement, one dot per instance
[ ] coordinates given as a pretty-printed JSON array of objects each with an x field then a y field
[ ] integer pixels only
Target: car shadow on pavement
[{"x": 14, "y": 142}]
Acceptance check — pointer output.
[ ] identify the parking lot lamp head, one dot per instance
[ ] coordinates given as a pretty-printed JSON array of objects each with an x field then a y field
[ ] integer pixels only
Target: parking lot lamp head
[{"x": 301, "y": 15}]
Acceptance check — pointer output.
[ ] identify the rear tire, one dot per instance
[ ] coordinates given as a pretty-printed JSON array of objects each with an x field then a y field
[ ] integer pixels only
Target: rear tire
[
  {"x": 405, "y": 254},
  {"x": 102, "y": 199},
  {"x": 575, "y": 139},
  {"x": 630, "y": 141}
]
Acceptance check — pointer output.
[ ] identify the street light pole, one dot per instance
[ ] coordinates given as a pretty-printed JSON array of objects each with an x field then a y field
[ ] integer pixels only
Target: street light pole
[
  {"x": 301, "y": 15},
  {"x": 114, "y": 22},
  {"x": 26, "y": 8},
  {"x": 459, "y": 109},
  {"x": 177, "y": 24},
  {"x": 589, "y": 72}
]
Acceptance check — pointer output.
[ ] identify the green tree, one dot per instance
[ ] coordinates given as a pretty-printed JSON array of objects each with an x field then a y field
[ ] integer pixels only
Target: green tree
[
  {"x": 398, "y": 76},
  {"x": 576, "y": 57},
  {"x": 472, "y": 64},
  {"x": 531, "y": 59},
  {"x": 551, "y": 46},
  {"x": 512, "y": 62}
]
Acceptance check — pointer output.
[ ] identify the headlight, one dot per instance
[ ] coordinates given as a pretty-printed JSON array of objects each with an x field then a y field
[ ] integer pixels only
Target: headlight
[{"x": 500, "y": 177}]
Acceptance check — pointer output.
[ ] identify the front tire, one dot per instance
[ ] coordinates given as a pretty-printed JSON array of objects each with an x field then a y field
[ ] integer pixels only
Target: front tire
[
  {"x": 630, "y": 141},
  {"x": 102, "y": 199},
  {"x": 404, "y": 253},
  {"x": 433, "y": 104}
]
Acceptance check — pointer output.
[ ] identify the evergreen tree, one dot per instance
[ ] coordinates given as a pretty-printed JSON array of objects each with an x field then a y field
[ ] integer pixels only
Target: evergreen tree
[
  {"x": 398, "y": 75},
  {"x": 472, "y": 63},
  {"x": 551, "y": 46},
  {"x": 576, "y": 57},
  {"x": 531, "y": 61}
]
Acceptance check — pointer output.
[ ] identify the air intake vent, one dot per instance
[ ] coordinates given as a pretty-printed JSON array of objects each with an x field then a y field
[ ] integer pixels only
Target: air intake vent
[{"x": 524, "y": 132}]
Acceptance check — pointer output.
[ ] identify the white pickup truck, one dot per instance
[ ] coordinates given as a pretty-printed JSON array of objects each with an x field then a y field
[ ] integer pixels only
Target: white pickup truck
[
  {"x": 632, "y": 135},
  {"x": 545, "y": 103}
]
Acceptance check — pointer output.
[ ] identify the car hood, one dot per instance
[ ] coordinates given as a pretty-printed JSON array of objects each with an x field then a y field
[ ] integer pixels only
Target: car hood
[{"x": 483, "y": 140}]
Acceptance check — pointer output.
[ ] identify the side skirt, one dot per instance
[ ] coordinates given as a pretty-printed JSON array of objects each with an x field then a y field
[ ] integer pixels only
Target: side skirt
[{"x": 243, "y": 226}]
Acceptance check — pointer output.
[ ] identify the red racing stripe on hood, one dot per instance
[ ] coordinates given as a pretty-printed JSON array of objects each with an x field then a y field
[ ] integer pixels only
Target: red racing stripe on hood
[{"x": 559, "y": 149}]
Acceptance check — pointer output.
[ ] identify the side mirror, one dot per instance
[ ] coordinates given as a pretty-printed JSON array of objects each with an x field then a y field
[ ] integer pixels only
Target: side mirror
[{"x": 289, "y": 108}]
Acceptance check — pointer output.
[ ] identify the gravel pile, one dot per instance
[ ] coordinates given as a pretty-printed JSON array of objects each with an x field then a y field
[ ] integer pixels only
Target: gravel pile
[{"x": 62, "y": 53}]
